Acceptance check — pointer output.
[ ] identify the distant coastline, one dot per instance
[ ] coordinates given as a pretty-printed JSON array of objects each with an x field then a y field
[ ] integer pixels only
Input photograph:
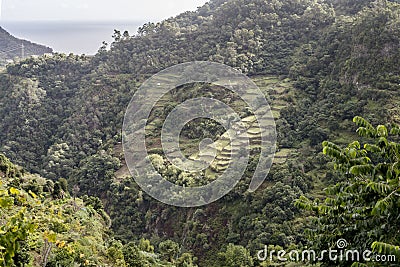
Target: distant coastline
[{"x": 78, "y": 37}]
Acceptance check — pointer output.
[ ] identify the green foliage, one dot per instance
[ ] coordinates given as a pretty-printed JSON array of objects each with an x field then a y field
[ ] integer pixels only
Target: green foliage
[
  {"x": 132, "y": 255},
  {"x": 115, "y": 254},
  {"x": 7, "y": 169},
  {"x": 185, "y": 260},
  {"x": 17, "y": 227},
  {"x": 363, "y": 209},
  {"x": 169, "y": 250},
  {"x": 144, "y": 245},
  {"x": 386, "y": 249},
  {"x": 96, "y": 173},
  {"x": 62, "y": 116},
  {"x": 39, "y": 230},
  {"x": 236, "y": 256}
]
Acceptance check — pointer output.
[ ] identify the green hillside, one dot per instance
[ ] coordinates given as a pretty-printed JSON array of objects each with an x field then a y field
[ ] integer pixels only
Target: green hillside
[
  {"x": 319, "y": 64},
  {"x": 43, "y": 225},
  {"x": 12, "y": 48}
]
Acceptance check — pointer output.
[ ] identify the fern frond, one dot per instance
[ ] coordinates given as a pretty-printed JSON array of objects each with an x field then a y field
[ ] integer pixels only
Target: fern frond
[
  {"x": 380, "y": 188},
  {"x": 362, "y": 169}
]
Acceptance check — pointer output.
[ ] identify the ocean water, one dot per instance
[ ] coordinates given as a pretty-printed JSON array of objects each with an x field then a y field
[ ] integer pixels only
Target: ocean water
[{"x": 70, "y": 37}]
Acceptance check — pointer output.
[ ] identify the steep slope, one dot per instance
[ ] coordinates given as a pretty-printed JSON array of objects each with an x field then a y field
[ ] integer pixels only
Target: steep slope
[
  {"x": 219, "y": 31},
  {"x": 11, "y": 47},
  {"x": 319, "y": 64},
  {"x": 42, "y": 225}
]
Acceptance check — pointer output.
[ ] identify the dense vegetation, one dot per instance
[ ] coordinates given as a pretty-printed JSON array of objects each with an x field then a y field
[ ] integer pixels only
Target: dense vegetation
[
  {"x": 363, "y": 207},
  {"x": 320, "y": 63},
  {"x": 42, "y": 225}
]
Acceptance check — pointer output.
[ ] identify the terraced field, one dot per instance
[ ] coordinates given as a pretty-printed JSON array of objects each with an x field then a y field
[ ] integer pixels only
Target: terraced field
[
  {"x": 278, "y": 91},
  {"x": 219, "y": 153}
]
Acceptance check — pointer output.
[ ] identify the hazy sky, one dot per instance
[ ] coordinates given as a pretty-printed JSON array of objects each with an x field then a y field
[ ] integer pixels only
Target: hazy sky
[{"x": 27, "y": 10}]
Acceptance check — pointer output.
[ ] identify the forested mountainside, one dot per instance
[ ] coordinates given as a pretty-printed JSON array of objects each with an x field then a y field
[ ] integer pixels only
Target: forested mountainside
[
  {"x": 320, "y": 64},
  {"x": 11, "y": 47}
]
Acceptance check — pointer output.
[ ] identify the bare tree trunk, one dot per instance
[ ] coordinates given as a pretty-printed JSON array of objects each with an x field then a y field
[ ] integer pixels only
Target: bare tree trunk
[{"x": 46, "y": 252}]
